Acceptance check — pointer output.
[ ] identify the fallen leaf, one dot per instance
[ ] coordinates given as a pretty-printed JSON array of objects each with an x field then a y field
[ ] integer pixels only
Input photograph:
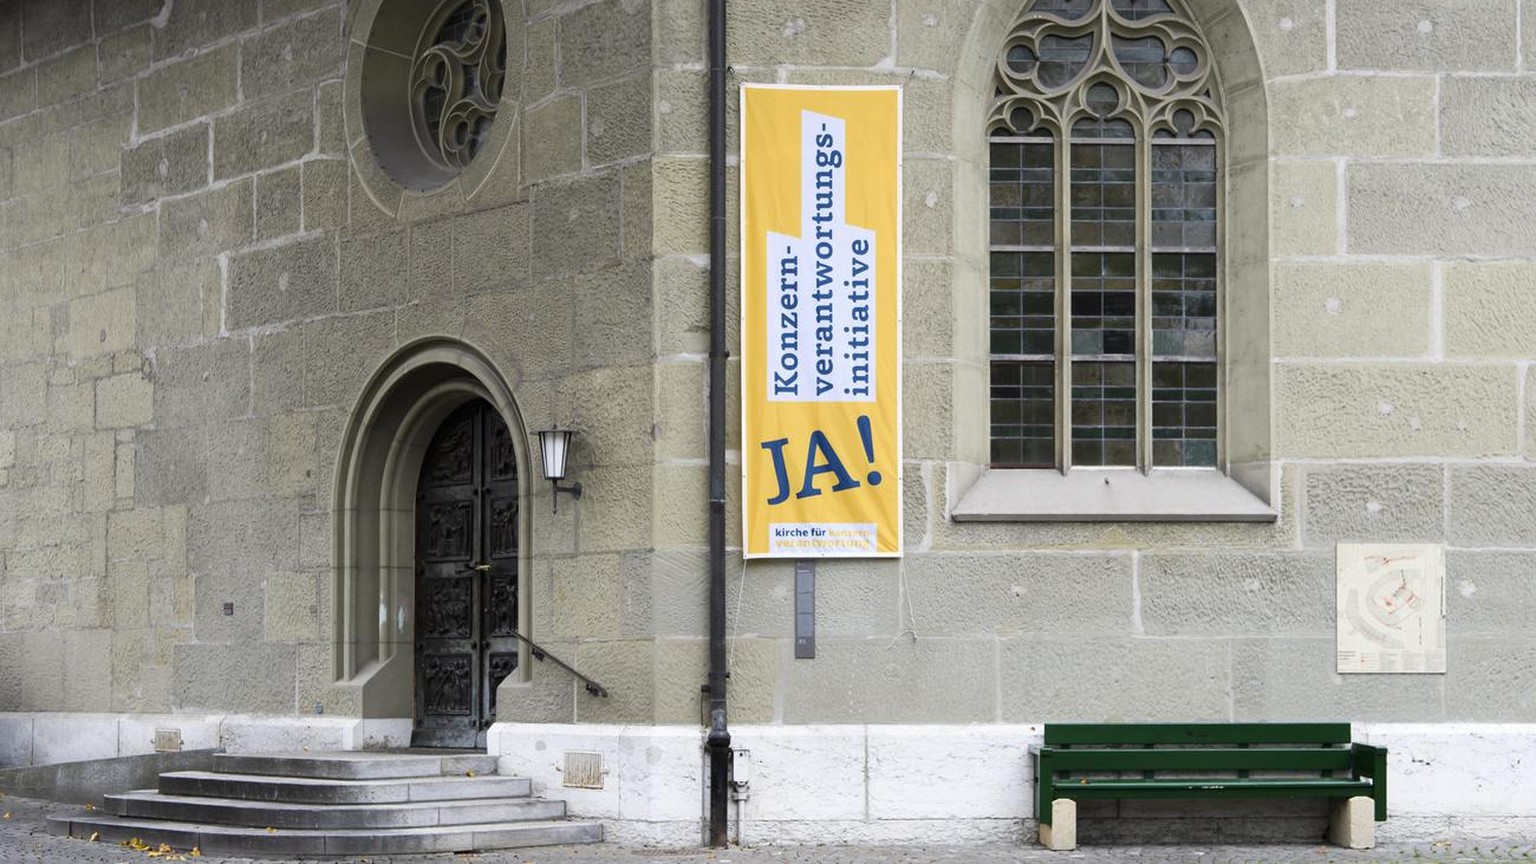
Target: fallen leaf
[
  {"x": 95, "y": 835},
  {"x": 90, "y": 808},
  {"x": 271, "y": 830},
  {"x": 469, "y": 773},
  {"x": 7, "y": 816},
  {"x": 197, "y": 852}
]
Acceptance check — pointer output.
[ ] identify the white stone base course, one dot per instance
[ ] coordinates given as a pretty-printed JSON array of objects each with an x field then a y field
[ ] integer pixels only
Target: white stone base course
[
  {"x": 652, "y": 791},
  {"x": 826, "y": 784},
  {"x": 48, "y": 739},
  {"x": 962, "y": 784}
]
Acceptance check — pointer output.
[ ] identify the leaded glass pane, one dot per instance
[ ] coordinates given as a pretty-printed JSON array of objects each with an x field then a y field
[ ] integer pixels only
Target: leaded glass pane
[
  {"x": 1143, "y": 59},
  {"x": 1103, "y": 303},
  {"x": 1183, "y": 120},
  {"x": 1021, "y": 59},
  {"x": 1023, "y": 194},
  {"x": 1184, "y": 61},
  {"x": 1024, "y": 303},
  {"x": 1063, "y": 57},
  {"x": 1103, "y": 99},
  {"x": 1103, "y": 414},
  {"x": 1024, "y": 414},
  {"x": 1184, "y": 305},
  {"x": 1136, "y": 10},
  {"x": 1103, "y": 194},
  {"x": 1068, "y": 9},
  {"x": 1184, "y": 415},
  {"x": 1183, "y": 196},
  {"x": 1092, "y": 128},
  {"x": 1021, "y": 122}
]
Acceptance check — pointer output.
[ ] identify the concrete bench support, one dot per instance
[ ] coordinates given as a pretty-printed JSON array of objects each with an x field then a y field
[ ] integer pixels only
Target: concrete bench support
[
  {"x": 1061, "y": 834},
  {"x": 1352, "y": 823}
]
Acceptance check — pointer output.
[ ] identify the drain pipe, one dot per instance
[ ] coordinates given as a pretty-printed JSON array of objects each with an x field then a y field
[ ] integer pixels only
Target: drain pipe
[{"x": 719, "y": 739}]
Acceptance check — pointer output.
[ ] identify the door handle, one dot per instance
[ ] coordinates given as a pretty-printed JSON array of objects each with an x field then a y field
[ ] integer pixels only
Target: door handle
[{"x": 478, "y": 568}]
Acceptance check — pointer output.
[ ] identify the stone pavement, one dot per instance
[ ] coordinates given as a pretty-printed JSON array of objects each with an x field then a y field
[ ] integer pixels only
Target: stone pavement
[{"x": 24, "y": 839}]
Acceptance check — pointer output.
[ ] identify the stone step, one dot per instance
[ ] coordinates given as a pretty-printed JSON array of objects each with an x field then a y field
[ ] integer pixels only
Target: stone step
[
  {"x": 263, "y": 842},
  {"x": 357, "y": 765},
  {"x": 149, "y": 804},
  {"x": 309, "y": 790}
]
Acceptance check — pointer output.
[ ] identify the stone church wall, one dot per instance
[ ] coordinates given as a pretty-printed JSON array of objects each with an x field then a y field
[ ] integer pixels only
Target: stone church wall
[
  {"x": 1398, "y": 274},
  {"x": 196, "y": 285},
  {"x": 194, "y": 288}
]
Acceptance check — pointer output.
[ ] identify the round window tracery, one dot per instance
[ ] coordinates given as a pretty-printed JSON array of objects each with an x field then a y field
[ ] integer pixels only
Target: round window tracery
[
  {"x": 432, "y": 81},
  {"x": 456, "y": 82}
]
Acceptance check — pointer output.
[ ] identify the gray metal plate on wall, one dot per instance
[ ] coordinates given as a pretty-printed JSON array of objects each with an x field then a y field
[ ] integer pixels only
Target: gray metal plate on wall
[{"x": 805, "y": 610}]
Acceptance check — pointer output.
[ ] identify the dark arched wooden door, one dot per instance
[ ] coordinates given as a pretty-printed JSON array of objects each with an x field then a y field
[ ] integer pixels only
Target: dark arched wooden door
[{"x": 466, "y": 577}]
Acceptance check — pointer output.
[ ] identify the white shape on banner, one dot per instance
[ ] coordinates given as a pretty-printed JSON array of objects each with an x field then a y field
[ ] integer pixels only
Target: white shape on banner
[{"x": 821, "y": 285}]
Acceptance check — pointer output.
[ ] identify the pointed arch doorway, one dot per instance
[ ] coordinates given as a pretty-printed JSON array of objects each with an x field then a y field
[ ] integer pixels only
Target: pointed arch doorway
[
  {"x": 466, "y": 569},
  {"x": 413, "y": 405}
]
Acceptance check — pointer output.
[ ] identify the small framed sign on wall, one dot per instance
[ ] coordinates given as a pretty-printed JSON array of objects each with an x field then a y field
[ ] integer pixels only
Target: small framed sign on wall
[{"x": 1391, "y": 607}]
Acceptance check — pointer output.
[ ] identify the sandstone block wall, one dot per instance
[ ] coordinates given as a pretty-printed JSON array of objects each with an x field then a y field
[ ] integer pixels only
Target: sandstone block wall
[
  {"x": 1400, "y": 356},
  {"x": 195, "y": 285}
]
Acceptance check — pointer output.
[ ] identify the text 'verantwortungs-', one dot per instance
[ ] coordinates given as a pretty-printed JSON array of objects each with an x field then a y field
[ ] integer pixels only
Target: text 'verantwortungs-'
[{"x": 821, "y": 322}]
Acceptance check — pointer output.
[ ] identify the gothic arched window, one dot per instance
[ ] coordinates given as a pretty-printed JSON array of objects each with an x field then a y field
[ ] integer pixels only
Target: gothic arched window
[{"x": 1106, "y": 159}]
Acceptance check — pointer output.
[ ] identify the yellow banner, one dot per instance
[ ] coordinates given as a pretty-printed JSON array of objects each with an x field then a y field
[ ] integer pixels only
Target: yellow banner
[{"x": 821, "y": 321}]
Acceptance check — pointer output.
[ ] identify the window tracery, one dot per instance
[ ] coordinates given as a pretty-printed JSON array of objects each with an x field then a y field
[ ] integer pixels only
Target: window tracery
[{"x": 456, "y": 82}]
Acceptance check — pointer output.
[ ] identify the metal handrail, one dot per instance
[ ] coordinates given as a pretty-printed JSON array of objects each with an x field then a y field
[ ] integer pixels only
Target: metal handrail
[{"x": 541, "y": 654}]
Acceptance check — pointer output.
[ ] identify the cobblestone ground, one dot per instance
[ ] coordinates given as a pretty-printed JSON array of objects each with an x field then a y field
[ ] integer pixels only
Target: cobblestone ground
[{"x": 24, "y": 839}]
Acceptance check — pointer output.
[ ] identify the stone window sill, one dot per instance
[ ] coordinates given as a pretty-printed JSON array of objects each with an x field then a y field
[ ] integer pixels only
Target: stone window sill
[{"x": 1109, "y": 495}]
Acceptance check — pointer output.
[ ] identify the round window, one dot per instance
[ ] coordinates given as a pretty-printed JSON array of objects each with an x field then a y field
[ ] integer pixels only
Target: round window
[{"x": 432, "y": 79}]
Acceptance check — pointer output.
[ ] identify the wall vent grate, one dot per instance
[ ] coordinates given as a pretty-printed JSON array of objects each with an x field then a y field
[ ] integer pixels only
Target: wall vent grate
[
  {"x": 167, "y": 740},
  {"x": 583, "y": 769}
]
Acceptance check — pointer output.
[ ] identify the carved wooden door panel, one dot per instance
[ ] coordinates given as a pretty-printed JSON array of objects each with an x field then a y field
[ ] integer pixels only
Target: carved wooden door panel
[{"x": 466, "y": 577}]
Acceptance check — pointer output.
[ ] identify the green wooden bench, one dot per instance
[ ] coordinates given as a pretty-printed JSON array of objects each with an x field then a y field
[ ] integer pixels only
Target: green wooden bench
[{"x": 1082, "y": 761}]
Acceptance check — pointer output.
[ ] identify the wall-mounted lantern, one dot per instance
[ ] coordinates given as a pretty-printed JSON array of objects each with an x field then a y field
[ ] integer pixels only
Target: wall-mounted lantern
[{"x": 555, "y": 445}]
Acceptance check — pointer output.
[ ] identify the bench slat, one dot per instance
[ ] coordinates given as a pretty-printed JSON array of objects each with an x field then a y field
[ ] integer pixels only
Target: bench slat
[
  {"x": 1197, "y": 733},
  {"x": 1199, "y": 789},
  {"x": 1203, "y": 759}
]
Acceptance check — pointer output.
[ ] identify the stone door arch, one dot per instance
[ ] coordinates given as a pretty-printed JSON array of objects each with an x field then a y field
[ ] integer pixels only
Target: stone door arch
[{"x": 374, "y": 530}]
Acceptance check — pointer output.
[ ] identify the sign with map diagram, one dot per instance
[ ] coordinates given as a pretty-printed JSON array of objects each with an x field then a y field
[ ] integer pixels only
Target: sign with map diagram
[{"x": 1391, "y": 607}]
